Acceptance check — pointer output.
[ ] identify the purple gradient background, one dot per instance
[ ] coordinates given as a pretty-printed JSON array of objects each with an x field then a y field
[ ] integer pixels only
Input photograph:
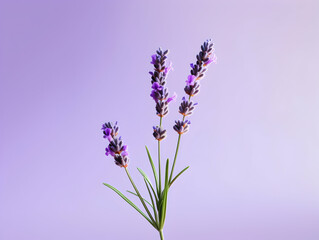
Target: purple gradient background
[{"x": 68, "y": 66}]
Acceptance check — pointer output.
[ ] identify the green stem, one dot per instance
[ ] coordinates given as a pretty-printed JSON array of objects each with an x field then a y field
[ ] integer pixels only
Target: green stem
[
  {"x": 161, "y": 234},
  {"x": 139, "y": 195},
  {"x": 175, "y": 157},
  {"x": 176, "y": 152},
  {"x": 159, "y": 163}
]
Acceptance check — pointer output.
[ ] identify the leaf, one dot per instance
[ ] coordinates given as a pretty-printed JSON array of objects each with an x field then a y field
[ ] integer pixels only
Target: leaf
[
  {"x": 149, "y": 192},
  {"x": 153, "y": 167},
  {"x": 148, "y": 180},
  {"x": 143, "y": 198},
  {"x": 165, "y": 192},
  {"x": 129, "y": 202},
  {"x": 178, "y": 175}
]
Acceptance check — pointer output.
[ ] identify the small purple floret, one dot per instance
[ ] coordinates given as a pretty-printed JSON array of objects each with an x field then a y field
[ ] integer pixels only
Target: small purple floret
[
  {"x": 153, "y": 59},
  {"x": 172, "y": 98},
  {"x": 168, "y": 68},
  {"x": 157, "y": 86},
  {"x": 190, "y": 80}
]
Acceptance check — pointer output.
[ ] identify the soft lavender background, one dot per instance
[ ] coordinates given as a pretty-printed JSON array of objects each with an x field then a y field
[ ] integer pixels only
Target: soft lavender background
[{"x": 68, "y": 66}]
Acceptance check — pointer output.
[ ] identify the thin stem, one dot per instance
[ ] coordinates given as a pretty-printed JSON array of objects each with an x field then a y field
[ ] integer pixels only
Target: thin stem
[
  {"x": 140, "y": 197},
  {"x": 159, "y": 162},
  {"x": 176, "y": 152},
  {"x": 161, "y": 234}
]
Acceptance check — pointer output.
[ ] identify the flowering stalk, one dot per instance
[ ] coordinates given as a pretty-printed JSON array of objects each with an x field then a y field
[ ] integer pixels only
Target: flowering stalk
[
  {"x": 205, "y": 57},
  {"x": 159, "y": 93}
]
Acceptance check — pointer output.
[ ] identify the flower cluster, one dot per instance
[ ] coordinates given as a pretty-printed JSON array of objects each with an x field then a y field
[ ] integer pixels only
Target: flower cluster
[
  {"x": 159, "y": 91},
  {"x": 181, "y": 126},
  {"x": 115, "y": 148},
  {"x": 159, "y": 133},
  {"x": 205, "y": 57},
  {"x": 186, "y": 107}
]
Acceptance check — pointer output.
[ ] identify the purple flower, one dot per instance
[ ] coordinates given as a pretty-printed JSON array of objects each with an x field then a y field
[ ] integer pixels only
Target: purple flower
[
  {"x": 192, "y": 90},
  {"x": 192, "y": 65},
  {"x": 107, "y": 134},
  {"x": 159, "y": 93},
  {"x": 190, "y": 80},
  {"x": 186, "y": 108},
  {"x": 172, "y": 98},
  {"x": 121, "y": 160},
  {"x": 107, "y": 151},
  {"x": 213, "y": 59},
  {"x": 116, "y": 148},
  {"x": 181, "y": 126},
  {"x": 168, "y": 68},
  {"x": 159, "y": 133},
  {"x": 157, "y": 86},
  {"x": 154, "y": 58},
  {"x": 109, "y": 130}
]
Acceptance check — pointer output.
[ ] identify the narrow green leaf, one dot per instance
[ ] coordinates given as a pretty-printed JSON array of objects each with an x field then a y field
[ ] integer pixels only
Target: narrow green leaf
[
  {"x": 153, "y": 167},
  {"x": 143, "y": 198},
  {"x": 130, "y": 202},
  {"x": 148, "y": 180},
  {"x": 178, "y": 175},
  {"x": 149, "y": 192},
  {"x": 165, "y": 192}
]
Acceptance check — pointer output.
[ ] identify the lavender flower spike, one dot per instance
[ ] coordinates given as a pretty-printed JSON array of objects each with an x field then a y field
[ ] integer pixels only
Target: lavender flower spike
[
  {"x": 205, "y": 57},
  {"x": 186, "y": 107},
  {"x": 172, "y": 98},
  {"x": 116, "y": 148},
  {"x": 159, "y": 133},
  {"x": 181, "y": 126},
  {"x": 159, "y": 92}
]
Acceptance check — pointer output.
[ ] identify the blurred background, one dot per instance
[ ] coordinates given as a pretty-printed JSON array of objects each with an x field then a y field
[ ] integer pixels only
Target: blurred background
[{"x": 66, "y": 67}]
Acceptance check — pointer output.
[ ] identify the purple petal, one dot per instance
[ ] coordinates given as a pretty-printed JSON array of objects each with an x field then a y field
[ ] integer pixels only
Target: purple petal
[
  {"x": 195, "y": 104},
  {"x": 192, "y": 65},
  {"x": 157, "y": 86},
  {"x": 153, "y": 95},
  {"x": 172, "y": 98},
  {"x": 190, "y": 80},
  {"x": 124, "y": 153},
  {"x": 107, "y": 151},
  {"x": 213, "y": 59},
  {"x": 151, "y": 73},
  {"x": 184, "y": 99},
  {"x": 153, "y": 59},
  {"x": 168, "y": 68},
  {"x": 124, "y": 148}
]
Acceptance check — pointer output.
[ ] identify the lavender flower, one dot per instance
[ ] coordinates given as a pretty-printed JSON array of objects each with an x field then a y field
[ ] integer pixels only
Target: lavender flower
[
  {"x": 181, "y": 126},
  {"x": 192, "y": 90},
  {"x": 116, "y": 148},
  {"x": 186, "y": 107},
  {"x": 190, "y": 80},
  {"x": 159, "y": 92},
  {"x": 159, "y": 133},
  {"x": 204, "y": 58},
  {"x": 121, "y": 160},
  {"x": 110, "y": 130}
]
